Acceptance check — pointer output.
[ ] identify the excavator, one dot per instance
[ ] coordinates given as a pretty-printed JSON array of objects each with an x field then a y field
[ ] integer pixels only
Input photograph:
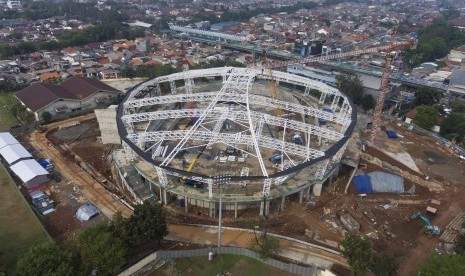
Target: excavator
[
  {"x": 429, "y": 228},
  {"x": 191, "y": 182}
]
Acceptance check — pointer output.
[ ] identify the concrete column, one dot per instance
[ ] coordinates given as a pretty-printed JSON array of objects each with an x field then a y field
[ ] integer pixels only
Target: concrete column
[
  {"x": 308, "y": 192},
  {"x": 330, "y": 180},
  {"x": 165, "y": 198},
  {"x": 317, "y": 189},
  {"x": 212, "y": 208},
  {"x": 265, "y": 206},
  {"x": 336, "y": 170},
  {"x": 301, "y": 196},
  {"x": 283, "y": 202},
  {"x": 186, "y": 199},
  {"x": 235, "y": 209}
]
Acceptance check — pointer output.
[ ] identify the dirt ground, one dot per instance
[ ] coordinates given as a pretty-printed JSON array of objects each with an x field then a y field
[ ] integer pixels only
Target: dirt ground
[
  {"x": 76, "y": 187},
  {"x": 383, "y": 217},
  {"x": 85, "y": 142}
]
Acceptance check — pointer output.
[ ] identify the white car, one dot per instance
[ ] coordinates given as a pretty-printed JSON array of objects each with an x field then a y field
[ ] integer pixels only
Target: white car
[{"x": 462, "y": 157}]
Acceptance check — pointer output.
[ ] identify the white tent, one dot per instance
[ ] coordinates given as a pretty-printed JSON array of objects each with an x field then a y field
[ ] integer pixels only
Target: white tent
[
  {"x": 30, "y": 172},
  {"x": 7, "y": 139},
  {"x": 13, "y": 153}
]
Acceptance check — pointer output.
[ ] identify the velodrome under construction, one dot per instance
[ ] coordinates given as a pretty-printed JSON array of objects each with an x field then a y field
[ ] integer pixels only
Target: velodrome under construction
[{"x": 259, "y": 135}]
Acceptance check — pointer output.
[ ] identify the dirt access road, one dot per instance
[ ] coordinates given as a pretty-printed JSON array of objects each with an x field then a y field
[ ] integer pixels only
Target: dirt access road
[
  {"x": 95, "y": 192},
  {"x": 293, "y": 250}
]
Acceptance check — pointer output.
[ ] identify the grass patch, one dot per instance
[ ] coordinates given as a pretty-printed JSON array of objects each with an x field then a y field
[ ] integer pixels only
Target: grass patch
[
  {"x": 7, "y": 120},
  {"x": 19, "y": 228},
  {"x": 234, "y": 264}
]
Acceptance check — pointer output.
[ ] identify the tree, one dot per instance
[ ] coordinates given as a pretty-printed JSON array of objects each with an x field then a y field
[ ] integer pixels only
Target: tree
[
  {"x": 384, "y": 265},
  {"x": 264, "y": 244},
  {"x": 48, "y": 259},
  {"x": 101, "y": 250},
  {"x": 148, "y": 223},
  {"x": 358, "y": 250},
  {"x": 368, "y": 102},
  {"x": 460, "y": 244},
  {"x": 425, "y": 116},
  {"x": 128, "y": 72},
  {"x": 351, "y": 85},
  {"x": 46, "y": 116},
  {"x": 122, "y": 228},
  {"x": 450, "y": 265},
  {"x": 427, "y": 96},
  {"x": 457, "y": 107},
  {"x": 453, "y": 126}
]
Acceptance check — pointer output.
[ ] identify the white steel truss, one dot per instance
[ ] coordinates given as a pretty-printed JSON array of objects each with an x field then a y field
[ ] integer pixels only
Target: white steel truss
[
  {"x": 161, "y": 176},
  {"x": 258, "y": 117},
  {"x": 233, "y": 82},
  {"x": 242, "y": 98},
  {"x": 151, "y": 117},
  {"x": 266, "y": 187},
  {"x": 227, "y": 138},
  {"x": 214, "y": 72}
]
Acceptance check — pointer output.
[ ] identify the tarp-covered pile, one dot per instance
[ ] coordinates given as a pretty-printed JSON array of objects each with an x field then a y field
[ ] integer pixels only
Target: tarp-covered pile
[
  {"x": 87, "y": 211},
  {"x": 379, "y": 182}
]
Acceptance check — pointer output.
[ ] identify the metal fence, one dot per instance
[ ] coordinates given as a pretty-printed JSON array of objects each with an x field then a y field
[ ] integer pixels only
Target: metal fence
[
  {"x": 439, "y": 138},
  {"x": 176, "y": 254}
]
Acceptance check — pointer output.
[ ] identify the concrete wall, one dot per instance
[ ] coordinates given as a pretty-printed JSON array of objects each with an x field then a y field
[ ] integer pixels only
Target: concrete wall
[
  {"x": 106, "y": 119},
  {"x": 75, "y": 104},
  {"x": 36, "y": 181}
]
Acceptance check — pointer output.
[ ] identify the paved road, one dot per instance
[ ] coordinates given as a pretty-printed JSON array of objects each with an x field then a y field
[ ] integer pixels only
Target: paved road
[
  {"x": 292, "y": 250},
  {"x": 95, "y": 192}
]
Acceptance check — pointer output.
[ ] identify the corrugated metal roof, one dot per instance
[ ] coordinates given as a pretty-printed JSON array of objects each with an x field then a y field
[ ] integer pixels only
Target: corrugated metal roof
[
  {"x": 12, "y": 153},
  {"x": 28, "y": 169},
  {"x": 457, "y": 78},
  {"x": 7, "y": 139}
]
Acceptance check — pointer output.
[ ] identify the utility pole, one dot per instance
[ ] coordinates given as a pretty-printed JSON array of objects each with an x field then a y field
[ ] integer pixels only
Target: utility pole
[{"x": 220, "y": 180}]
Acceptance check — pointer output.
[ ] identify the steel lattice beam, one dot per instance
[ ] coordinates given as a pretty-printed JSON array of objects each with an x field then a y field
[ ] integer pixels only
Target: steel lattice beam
[
  {"x": 235, "y": 115},
  {"x": 227, "y": 138},
  {"x": 242, "y": 98}
]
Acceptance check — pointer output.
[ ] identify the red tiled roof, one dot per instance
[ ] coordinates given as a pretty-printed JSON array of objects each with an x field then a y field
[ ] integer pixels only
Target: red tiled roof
[
  {"x": 411, "y": 114},
  {"x": 40, "y": 95},
  {"x": 84, "y": 87}
]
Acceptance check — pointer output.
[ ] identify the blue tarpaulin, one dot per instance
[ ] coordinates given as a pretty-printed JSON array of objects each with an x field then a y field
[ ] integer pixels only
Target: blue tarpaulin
[
  {"x": 382, "y": 182},
  {"x": 363, "y": 184},
  {"x": 391, "y": 134}
]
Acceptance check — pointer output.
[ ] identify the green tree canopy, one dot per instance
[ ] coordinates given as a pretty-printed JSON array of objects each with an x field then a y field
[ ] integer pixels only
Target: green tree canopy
[
  {"x": 351, "y": 85},
  {"x": 450, "y": 265},
  {"x": 48, "y": 259},
  {"x": 101, "y": 250},
  {"x": 46, "y": 116},
  {"x": 368, "y": 102},
  {"x": 148, "y": 223},
  {"x": 426, "y": 116},
  {"x": 460, "y": 244},
  {"x": 359, "y": 251},
  {"x": 427, "y": 96},
  {"x": 454, "y": 126},
  {"x": 457, "y": 107},
  {"x": 384, "y": 265}
]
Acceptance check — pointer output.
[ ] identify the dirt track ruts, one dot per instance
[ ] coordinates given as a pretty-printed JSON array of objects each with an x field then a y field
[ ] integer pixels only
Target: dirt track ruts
[{"x": 95, "y": 192}]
